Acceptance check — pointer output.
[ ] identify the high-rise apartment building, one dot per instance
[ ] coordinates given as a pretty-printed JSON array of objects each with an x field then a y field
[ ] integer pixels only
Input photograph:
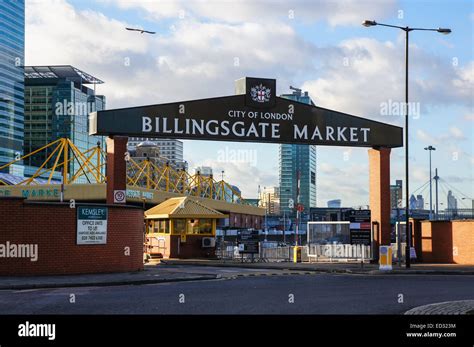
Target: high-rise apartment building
[
  {"x": 269, "y": 198},
  {"x": 297, "y": 160},
  {"x": 396, "y": 194}
]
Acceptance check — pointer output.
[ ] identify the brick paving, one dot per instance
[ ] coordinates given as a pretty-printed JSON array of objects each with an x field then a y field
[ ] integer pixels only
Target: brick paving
[{"x": 444, "y": 308}]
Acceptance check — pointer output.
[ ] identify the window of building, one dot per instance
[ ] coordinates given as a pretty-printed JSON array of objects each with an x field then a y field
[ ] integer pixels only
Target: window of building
[
  {"x": 179, "y": 226},
  {"x": 200, "y": 226},
  {"x": 161, "y": 226}
]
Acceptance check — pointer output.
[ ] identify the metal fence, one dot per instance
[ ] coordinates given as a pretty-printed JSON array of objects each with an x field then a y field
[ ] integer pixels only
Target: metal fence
[
  {"x": 277, "y": 252},
  {"x": 268, "y": 252}
]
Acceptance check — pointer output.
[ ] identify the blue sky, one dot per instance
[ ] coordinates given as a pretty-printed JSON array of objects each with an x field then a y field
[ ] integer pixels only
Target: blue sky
[{"x": 321, "y": 47}]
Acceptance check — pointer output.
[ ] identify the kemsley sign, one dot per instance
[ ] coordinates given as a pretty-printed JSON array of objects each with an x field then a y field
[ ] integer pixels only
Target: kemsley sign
[{"x": 254, "y": 114}]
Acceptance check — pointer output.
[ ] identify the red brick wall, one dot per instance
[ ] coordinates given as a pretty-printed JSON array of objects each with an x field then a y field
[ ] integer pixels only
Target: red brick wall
[
  {"x": 192, "y": 248},
  {"x": 52, "y": 226},
  {"x": 448, "y": 242}
]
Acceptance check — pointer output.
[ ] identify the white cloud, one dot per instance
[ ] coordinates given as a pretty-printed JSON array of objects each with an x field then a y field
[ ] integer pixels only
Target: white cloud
[
  {"x": 196, "y": 59},
  {"x": 469, "y": 116},
  {"x": 456, "y": 133},
  {"x": 342, "y": 12},
  {"x": 191, "y": 61},
  {"x": 362, "y": 74},
  {"x": 453, "y": 135}
]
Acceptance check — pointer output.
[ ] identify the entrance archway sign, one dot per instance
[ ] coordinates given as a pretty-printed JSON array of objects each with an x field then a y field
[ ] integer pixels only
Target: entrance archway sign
[{"x": 254, "y": 114}]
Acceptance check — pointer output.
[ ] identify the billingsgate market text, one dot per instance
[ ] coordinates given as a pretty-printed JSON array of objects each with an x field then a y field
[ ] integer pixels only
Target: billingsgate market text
[{"x": 162, "y": 125}]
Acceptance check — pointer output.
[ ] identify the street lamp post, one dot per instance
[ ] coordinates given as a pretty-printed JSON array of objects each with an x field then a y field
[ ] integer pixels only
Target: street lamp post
[
  {"x": 369, "y": 23},
  {"x": 430, "y": 149}
]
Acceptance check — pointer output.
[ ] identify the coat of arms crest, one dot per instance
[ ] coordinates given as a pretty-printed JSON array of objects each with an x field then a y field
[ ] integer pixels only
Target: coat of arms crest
[{"x": 260, "y": 93}]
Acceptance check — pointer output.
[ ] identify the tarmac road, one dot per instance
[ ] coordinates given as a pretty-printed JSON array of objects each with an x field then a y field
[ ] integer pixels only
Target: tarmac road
[{"x": 248, "y": 292}]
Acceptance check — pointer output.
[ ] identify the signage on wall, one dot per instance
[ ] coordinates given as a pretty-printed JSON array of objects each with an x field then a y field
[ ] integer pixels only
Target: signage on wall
[
  {"x": 91, "y": 225},
  {"x": 120, "y": 196},
  {"x": 360, "y": 227},
  {"x": 256, "y": 114}
]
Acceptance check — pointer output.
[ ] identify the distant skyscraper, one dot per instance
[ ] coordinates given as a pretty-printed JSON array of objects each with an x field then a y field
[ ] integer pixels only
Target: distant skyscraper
[
  {"x": 170, "y": 149},
  {"x": 270, "y": 200},
  {"x": 452, "y": 202},
  {"x": 396, "y": 194},
  {"x": 12, "y": 47},
  {"x": 151, "y": 150},
  {"x": 420, "y": 202},
  {"x": 297, "y": 158},
  {"x": 336, "y": 203},
  {"x": 413, "y": 203},
  {"x": 57, "y": 105}
]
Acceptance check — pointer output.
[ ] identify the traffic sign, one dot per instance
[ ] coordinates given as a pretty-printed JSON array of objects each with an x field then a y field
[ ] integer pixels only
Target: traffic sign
[{"x": 119, "y": 196}]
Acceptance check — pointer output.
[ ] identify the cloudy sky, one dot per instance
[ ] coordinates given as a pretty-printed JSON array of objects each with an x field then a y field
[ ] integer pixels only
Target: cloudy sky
[{"x": 201, "y": 47}]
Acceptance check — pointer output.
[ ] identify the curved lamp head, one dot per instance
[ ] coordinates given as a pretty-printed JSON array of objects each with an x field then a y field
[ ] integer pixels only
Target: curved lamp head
[
  {"x": 369, "y": 23},
  {"x": 444, "y": 31}
]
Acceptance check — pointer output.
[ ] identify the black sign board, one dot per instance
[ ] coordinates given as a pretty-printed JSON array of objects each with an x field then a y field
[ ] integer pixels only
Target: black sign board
[
  {"x": 359, "y": 216},
  {"x": 248, "y": 241},
  {"x": 360, "y": 237},
  {"x": 256, "y": 115},
  {"x": 360, "y": 227}
]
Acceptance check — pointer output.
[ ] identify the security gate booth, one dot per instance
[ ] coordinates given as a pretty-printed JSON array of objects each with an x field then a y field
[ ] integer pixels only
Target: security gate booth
[
  {"x": 254, "y": 114},
  {"x": 181, "y": 228}
]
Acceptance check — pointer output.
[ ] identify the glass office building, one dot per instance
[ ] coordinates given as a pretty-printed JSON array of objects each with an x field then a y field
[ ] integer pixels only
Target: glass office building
[
  {"x": 57, "y": 104},
  {"x": 12, "y": 47},
  {"x": 294, "y": 159}
]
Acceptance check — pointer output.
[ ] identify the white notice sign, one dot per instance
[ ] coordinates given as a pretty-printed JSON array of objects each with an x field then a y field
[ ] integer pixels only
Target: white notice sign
[{"x": 91, "y": 225}]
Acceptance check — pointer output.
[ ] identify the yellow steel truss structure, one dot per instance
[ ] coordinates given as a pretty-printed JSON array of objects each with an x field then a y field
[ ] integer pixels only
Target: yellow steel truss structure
[
  {"x": 146, "y": 173},
  {"x": 62, "y": 153}
]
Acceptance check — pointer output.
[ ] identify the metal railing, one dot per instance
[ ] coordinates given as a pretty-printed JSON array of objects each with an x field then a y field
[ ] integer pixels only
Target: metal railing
[{"x": 276, "y": 252}]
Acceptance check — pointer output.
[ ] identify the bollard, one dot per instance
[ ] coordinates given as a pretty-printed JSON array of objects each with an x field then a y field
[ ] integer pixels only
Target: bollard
[
  {"x": 385, "y": 259},
  {"x": 297, "y": 254}
]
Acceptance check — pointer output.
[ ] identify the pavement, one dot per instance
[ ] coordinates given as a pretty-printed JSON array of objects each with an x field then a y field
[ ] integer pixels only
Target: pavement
[
  {"x": 333, "y": 267},
  {"x": 151, "y": 274},
  {"x": 178, "y": 270},
  {"x": 444, "y": 308}
]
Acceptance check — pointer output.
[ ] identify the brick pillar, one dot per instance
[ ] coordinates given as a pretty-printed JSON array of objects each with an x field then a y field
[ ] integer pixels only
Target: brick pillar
[
  {"x": 116, "y": 168},
  {"x": 379, "y": 188}
]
